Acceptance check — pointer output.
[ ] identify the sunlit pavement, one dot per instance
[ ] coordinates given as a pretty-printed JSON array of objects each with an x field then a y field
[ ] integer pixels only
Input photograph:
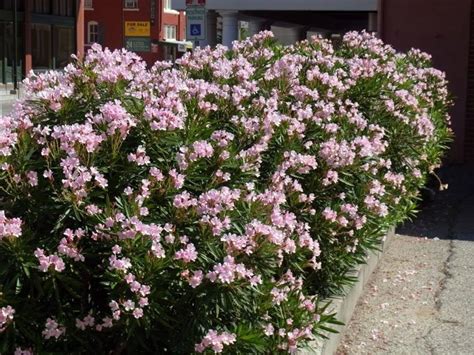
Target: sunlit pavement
[
  {"x": 419, "y": 300},
  {"x": 5, "y": 107}
]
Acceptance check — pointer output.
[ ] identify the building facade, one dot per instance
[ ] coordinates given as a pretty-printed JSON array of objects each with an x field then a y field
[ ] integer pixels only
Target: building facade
[
  {"x": 443, "y": 28},
  {"x": 38, "y": 35},
  {"x": 149, "y": 27},
  {"x": 289, "y": 20}
]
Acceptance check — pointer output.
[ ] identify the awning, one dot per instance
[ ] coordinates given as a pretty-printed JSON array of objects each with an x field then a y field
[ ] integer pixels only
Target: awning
[
  {"x": 285, "y": 5},
  {"x": 182, "y": 45}
]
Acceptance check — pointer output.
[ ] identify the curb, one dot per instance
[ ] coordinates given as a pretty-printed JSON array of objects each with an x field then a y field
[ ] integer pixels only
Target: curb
[{"x": 344, "y": 307}]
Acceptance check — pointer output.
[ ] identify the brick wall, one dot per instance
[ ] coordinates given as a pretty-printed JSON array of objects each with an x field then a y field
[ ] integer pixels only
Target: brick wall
[
  {"x": 111, "y": 17},
  {"x": 469, "y": 129}
]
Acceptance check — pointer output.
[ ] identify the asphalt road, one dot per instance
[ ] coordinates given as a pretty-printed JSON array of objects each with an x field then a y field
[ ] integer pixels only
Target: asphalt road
[{"x": 420, "y": 298}]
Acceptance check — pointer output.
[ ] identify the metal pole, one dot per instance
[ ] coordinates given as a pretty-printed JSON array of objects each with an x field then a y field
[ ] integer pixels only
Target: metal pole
[{"x": 15, "y": 46}]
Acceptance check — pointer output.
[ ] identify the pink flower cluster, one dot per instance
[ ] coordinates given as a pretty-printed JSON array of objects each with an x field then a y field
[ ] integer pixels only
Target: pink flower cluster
[
  {"x": 222, "y": 183},
  {"x": 45, "y": 261},
  {"x": 8, "y": 136},
  {"x": 6, "y": 316},
  {"x": 215, "y": 341},
  {"x": 53, "y": 329},
  {"x": 67, "y": 245},
  {"x": 9, "y": 227},
  {"x": 229, "y": 271}
]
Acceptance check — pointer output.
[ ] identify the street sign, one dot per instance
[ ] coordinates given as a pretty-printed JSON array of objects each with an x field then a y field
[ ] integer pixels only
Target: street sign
[
  {"x": 138, "y": 44},
  {"x": 137, "y": 28},
  {"x": 196, "y": 29},
  {"x": 196, "y": 22}
]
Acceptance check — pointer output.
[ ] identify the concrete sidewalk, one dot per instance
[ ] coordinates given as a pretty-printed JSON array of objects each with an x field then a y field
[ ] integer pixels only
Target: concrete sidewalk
[
  {"x": 5, "y": 106},
  {"x": 420, "y": 299},
  {"x": 7, "y": 99}
]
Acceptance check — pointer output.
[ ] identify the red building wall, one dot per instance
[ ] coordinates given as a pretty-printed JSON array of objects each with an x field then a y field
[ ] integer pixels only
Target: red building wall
[
  {"x": 111, "y": 17},
  {"x": 441, "y": 28},
  {"x": 177, "y": 19}
]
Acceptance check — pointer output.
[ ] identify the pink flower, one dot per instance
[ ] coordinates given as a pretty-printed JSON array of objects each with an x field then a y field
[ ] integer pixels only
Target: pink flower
[
  {"x": 46, "y": 261},
  {"x": 268, "y": 330},
  {"x": 140, "y": 157},
  {"x": 215, "y": 341},
  {"x": 117, "y": 119},
  {"x": 337, "y": 154},
  {"x": 196, "y": 279},
  {"x": 9, "y": 227},
  {"x": 129, "y": 305},
  {"x": 53, "y": 329},
  {"x": 222, "y": 138},
  {"x": 6, "y": 316},
  {"x": 201, "y": 149},
  {"x": 121, "y": 264},
  {"x": 20, "y": 351},
  {"x": 329, "y": 214},
  {"x": 187, "y": 254},
  {"x": 93, "y": 210},
  {"x": 163, "y": 120},
  {"x": 88, "y": 321},
  {"x": 184, "y": 200},
  {"x": 215, "y": 201},
  {"x": 331, "y": 178},
  {"x": 229, "y": 271},
  {"x": 32, "y": 178},
  {"x": 77, "y": 134},
  {"x": 178, "y": 179},
  {"x": 138, "y": 313},
  {"x": 157, "y": 174}
]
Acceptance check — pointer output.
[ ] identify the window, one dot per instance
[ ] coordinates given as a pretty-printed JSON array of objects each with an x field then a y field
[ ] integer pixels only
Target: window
[
  {"x": 65, "y": 39},
  {"x": 167, "y": 7},
  {"x": 7, "y": 51},
  {"x": 170, "y": 32},
  {"x": 88, "y": 4},
  {"x": 169, "y": 53},
  {"x": 42, "y": 6},
  {"x": 6, "y": 5},
  {"x": 92, "y": 32},
  {"x": 41, "y": 44},
  {"x": 63, "y": 7},
  {"x": 130, "y": 4}
]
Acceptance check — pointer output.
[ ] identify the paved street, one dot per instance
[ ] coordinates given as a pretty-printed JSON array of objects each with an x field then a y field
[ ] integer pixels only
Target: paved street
[{"x": 419, "y": 300}]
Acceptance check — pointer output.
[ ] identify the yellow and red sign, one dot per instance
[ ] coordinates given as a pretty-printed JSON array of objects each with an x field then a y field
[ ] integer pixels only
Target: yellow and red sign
[{"x": 137, "y": 28}]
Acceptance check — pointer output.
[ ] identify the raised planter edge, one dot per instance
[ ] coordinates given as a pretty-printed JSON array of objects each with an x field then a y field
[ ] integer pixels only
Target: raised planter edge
[{"x": 344, "y": 306}]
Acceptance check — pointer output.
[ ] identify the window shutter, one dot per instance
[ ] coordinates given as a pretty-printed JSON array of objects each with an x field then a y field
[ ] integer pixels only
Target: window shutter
[{"x": 101, "y": 36}]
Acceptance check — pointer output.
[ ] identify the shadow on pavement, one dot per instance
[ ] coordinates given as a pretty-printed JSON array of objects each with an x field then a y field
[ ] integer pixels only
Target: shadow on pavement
[{"x": 450, "y": 215}]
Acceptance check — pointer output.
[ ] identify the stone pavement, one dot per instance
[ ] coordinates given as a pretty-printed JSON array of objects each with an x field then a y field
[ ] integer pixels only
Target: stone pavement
[{"x": 420, "y": 299}]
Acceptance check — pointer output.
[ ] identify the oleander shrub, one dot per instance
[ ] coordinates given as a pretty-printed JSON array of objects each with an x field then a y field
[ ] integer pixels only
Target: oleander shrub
[{"x": 208, "y": 206}]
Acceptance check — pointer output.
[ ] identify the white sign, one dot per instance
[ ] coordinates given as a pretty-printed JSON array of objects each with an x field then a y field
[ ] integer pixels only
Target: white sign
[
  {"x": 196, "y": 2},
  {"x": 196, "y": 23}
]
